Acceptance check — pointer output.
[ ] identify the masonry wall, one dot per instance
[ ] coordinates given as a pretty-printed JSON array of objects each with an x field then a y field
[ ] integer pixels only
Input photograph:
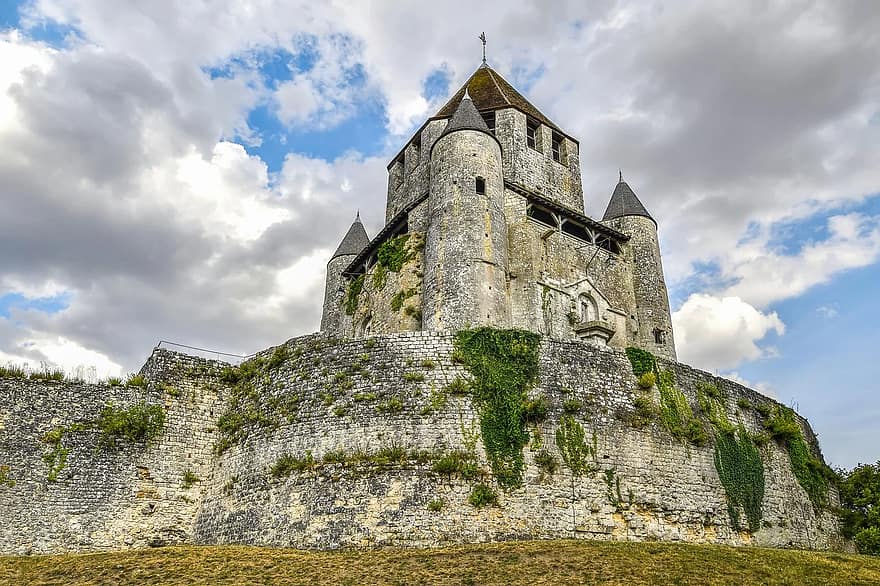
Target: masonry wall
[
  {"x": 534, "y": 168},
  {"x": 103, "y": 498},
  {"x": 550, "y": 270},
  {"x": 360, "y": 396}
]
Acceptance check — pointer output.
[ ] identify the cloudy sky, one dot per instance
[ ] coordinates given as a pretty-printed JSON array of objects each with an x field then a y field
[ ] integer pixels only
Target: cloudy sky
[{"x": 182, "y": 170}]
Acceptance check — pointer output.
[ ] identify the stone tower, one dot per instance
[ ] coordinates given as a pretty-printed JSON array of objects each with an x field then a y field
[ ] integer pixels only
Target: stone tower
[
  {"x": 626, "y": 213},
  {"x": 355, "y": 240},
  {"x": 466, "y": 243},
  {"x": 485, "y": 225}
]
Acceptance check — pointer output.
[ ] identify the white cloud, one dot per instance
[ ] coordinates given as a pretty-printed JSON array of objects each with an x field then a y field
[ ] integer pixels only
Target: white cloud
[
  {"x": 718, "y": 333},
  {"x": 764, "y": 276},
  {"x": 827, "y": 311}
]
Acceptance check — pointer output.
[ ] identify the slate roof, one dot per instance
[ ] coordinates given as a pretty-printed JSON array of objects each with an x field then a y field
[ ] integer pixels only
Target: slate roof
[
  {"x": 355, "y": 240},
  {"x": 490, "y": 91},
  {"x": 465, "y": 117},
  {"x": 625, "y": 203}
]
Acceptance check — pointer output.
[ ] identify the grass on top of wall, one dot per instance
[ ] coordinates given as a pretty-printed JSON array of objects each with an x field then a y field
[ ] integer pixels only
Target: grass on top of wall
[{"x": 523, "y": 562}]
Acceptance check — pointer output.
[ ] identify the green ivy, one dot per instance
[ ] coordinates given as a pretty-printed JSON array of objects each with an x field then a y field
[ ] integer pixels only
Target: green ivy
[
  {"x": 247, "y": 407},
  {"x": 807, "y": 468},
  {"x": 504, "y": 366},
  {"x": 350, "y": 303},
  {"x": 675, "y": 411},
  {"x": 642, "y": 361},
  {"x": 741, "y": 471},
  {"x": 576, "y": 454},
  {"x": 393, "y": 253}
]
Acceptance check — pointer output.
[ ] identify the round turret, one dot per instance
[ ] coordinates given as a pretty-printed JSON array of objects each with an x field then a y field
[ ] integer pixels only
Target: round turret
[
  {"x": 355, "y": 240},
  {"x": 626, "y": 214},
  {"x": 465, "y": 282}
]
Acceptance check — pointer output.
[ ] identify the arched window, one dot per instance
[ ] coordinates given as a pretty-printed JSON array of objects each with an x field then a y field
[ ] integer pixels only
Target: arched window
[
  {"x": 587, "y": 308},
  {"x": 481, "y": 186}
]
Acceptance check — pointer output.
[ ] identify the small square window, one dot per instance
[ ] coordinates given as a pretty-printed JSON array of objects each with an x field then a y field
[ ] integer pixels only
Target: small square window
[
  {"x": 489, "y": 119},
  {"x": 532, "y": 127},
  {"x": 481, "y": 186}
]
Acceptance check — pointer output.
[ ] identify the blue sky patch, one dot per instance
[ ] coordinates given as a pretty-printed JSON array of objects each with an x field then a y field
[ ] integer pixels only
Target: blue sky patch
[{"x": 50, "y": 305}]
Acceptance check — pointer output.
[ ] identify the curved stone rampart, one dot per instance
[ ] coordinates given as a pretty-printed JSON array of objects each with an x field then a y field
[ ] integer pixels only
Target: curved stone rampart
[{"x": 372, "y": 418}]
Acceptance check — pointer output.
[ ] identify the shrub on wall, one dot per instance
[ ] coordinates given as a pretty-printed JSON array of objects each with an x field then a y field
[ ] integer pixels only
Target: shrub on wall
[{"x": 140, "y": 423}]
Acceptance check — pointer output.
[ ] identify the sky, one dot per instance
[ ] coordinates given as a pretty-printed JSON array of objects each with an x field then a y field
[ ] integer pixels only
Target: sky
[{"x": 183, "y": 170}]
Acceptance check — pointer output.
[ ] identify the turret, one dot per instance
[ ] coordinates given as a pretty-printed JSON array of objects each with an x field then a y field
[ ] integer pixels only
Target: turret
[
  {"x": 332, "y": 320},
  {"x": 465, "y": 281},
  {"x": 654, "y": 324}
]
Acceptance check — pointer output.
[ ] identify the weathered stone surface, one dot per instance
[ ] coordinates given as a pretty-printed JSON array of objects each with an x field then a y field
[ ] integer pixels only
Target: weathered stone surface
[{"x": 134, "y": 497}]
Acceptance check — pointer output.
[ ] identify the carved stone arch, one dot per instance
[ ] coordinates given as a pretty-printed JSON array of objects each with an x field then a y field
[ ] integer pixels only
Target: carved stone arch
[{"x": 587, "y": 308}]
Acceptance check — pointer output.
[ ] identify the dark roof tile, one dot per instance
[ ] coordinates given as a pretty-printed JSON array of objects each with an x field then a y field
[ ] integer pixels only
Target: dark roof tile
[
  {"x": 355, "y": 240},
  {"x": 624, "y": 203}
]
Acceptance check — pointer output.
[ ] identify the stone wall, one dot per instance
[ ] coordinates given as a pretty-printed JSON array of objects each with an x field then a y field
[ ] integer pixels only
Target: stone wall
[
  {"x": 105, "y": 498},
  {"x": 359, "y": 397}
]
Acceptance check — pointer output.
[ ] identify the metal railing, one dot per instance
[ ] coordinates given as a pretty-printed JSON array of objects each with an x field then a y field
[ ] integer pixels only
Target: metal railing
[{"x": 205, "y": 353}]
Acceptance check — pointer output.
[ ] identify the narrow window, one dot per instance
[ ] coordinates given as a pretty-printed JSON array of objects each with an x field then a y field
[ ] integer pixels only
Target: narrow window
[
  {"x": 489, "y": 119},
  {"x": 481, "y": 186},
  {"x": 659, "y": 336},
  {"x": 556, "y": 147},
  {"x": 532, "y": 127}
]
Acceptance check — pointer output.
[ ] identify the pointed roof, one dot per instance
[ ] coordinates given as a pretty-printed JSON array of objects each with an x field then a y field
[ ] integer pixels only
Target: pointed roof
[
  {"x": 489, "y": 91},
  {"x": 355, "y": 240},
  {"x": 625, "y": 203},
  {"x": 466, "y": 117}
]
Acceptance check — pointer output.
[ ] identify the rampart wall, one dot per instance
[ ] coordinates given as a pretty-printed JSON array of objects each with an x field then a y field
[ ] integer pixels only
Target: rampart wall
[{"x": 346, "y": 405}]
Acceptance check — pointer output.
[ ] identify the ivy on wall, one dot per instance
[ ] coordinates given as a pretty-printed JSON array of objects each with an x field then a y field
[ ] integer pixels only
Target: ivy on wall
[
  {"x": 140, "y": 423},
  {"x": 576, "y": 454},
  {"x": 737, "y": 459},
  {"x": 675, "y": 411},
  {"x": 350, "y": 302},
  {"x": 741, "y": 471},
  {"x": 811, "y": 473},
  {"x": 504, "y": 366}
]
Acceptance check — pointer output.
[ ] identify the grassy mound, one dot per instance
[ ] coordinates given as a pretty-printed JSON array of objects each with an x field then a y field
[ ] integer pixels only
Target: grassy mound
[{"x": 527, "y": 562}]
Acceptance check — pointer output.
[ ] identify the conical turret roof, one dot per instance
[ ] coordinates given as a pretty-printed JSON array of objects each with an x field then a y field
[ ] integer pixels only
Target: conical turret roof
[
  {"x": 624, "y": 203},
  {"x": 466, "y": 117},
  {"x": 489, "y": 91},
  {"x": 355, "y": 240}
]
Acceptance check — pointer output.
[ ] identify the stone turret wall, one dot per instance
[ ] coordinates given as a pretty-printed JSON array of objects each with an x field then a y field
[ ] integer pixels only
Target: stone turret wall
[
  {"x": 648, "y": 285},
  {"x": 466, "y": 247},
  {"x": 357, "y": 398},
  {"x": 333, "y": 318}
]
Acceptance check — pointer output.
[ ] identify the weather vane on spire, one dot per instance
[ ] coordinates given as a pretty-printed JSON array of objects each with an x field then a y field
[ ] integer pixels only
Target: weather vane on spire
[{"x": 482, "y": 37}]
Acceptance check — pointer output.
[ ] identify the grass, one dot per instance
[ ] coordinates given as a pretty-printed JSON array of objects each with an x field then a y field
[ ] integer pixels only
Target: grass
[{"x": 524, "y": 562}]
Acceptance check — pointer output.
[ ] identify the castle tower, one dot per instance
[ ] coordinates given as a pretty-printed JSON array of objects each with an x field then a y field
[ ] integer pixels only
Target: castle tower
[
  {"x": 465, "y": 281},
  {"x": 355, "y": 241},
  {"x": 626, "y": 214}
]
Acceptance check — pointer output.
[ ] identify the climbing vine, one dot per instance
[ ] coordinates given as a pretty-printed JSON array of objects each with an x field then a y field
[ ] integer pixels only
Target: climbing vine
[
  {"x": 675, "y": 411},
  {"x": 741, "y": 471},
  {"x": 576, "y": 454},
  {"x": 393, "y": 253},
  {"x": 504, "y": 366},
  {"x": 807, "y": 468},
  {"x": 350, "y": 302}
]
